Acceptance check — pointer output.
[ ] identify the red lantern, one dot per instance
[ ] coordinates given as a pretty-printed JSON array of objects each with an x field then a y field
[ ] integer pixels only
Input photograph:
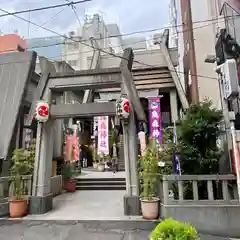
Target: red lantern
[
  {"x": 126, "y": 106},
  {"x": 42, "y": 111}
]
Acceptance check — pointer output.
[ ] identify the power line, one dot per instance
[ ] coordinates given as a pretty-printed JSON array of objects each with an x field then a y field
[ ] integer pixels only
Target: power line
[
  {"x": 74, "y": 11},
  {"x": 101, "y": 50},
  {"x": 79, "y": 41},
  {"x": 42, "y": 8},
  {"x": 49, "y": 20},
  {"x": 122, "y": 45},
  {"x": 133, "y": 33}
]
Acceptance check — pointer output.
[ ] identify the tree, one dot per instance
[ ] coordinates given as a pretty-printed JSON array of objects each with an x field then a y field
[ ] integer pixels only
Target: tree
[{"x": 197, "y": 135}]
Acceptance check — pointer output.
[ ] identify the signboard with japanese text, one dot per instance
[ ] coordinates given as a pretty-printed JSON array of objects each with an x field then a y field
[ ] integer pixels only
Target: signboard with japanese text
[
  {"x": 103, "y": 144},
  {"x": 155, "y": 123}
]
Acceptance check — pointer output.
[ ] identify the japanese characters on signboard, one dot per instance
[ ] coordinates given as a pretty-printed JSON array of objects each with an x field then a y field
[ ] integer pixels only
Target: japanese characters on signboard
[
  {"x": 155, "y": 124},
  {"x": 103, "y": 144}
]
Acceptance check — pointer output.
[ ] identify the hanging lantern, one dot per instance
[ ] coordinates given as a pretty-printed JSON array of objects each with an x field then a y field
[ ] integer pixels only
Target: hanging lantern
[
  {"x": 123, "y": 108},
  {"x": 42, "y": 111}
]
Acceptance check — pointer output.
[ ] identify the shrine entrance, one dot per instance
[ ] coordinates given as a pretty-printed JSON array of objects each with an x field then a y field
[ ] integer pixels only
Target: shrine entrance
[{"x": 52, "y": 88}]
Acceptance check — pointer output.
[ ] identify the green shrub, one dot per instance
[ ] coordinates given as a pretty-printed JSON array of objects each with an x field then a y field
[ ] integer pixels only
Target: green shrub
[{"x": 170, "y": 229}]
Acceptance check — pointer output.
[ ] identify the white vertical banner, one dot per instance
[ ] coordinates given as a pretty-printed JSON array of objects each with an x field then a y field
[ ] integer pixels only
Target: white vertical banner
[{"x": 103, "y": 144}]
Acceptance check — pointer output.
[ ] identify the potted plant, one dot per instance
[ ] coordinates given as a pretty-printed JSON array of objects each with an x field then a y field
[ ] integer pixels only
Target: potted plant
[
  {"x": 18, "y": 203},
  {"x": 68, "y": 173},
  {"x": 171, "y": 229},
  {"x": 148, "y": 175}
]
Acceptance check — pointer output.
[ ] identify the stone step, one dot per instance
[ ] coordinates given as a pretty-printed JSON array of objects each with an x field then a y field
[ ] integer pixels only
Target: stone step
[
  {"x": 110, "y": 183},
  {"x": 111, "y": 179},
  {"x": 102, "y": 183},
  {"x": 101, "y": 187}
]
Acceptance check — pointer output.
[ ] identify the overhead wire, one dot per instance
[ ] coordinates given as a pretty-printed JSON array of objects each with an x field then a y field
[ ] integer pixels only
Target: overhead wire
[
  {"x": 71, "y": 3},
  {"x": 74, "y": 11},
  {"x": 101, "y": 50},
  {"x": 49, "y": 20},
  {"x": 42, "y": 8},
  {"x": 122, "y": 45},
  {"x": 133, "y": 33}
]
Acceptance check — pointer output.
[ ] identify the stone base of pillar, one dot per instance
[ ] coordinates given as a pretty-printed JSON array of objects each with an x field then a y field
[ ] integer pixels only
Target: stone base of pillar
[
  {"x": 4, "y": 208},
  {"x": 40, "y": 204},
  {"x": 131, "y": 205}
]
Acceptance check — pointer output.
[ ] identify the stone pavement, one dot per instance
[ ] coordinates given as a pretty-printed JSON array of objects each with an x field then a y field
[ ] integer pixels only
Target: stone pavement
[
  {"x": 86, "y": 205},
  {"x": 46, "y": 230},
  {"x": 76, "y": 230}
]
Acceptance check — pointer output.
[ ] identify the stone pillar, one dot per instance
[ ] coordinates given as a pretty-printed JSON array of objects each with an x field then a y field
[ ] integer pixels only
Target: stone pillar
[
  {"x": 174, "y": 106},
  {"x": 133, "y": 154},
  {"x": 131, "y": 199},
  {"x": 41, "y": 199},
  {"x": 58, "y": 133}
]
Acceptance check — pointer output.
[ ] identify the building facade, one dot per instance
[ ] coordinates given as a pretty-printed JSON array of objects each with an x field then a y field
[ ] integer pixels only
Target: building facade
[
  {"x": 49, "y": 47},
  {"x": 79, "y": 46},
  {"x": 12, "y": 43},
  {"x": 206, "y": 24}
]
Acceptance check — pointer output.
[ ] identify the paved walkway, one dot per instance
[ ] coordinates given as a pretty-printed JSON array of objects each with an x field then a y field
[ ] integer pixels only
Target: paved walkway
[
  {"x": 25, "y": 230},
  {"x": 76, "y": 217},
  {"x": 88, "y": 205},
  {"x": 46, "y": 230}
]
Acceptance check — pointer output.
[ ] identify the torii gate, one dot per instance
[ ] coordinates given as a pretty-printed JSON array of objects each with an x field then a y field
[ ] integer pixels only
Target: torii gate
[{"x": 52, "y": 85}]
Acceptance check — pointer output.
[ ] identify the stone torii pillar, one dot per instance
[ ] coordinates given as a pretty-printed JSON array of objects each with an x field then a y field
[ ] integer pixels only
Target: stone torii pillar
[
  {"x": 131, "y": 199},
  {"x": 41, "y": 200}
]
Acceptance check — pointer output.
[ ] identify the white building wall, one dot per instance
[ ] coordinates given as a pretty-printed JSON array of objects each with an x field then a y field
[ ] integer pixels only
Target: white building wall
[
  {"x": 204, "y": 39},
  {"x": 116, "y": 44},
  {"x": 180, "y": 68},
  {"x": 76, "y": 54}
]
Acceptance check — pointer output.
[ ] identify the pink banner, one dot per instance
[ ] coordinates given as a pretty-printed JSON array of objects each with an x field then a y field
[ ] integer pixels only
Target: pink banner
[{"x": 103, "y": 144}]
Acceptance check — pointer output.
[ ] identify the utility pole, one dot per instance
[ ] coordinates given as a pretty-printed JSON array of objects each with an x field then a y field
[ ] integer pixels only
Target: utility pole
[{"x": 190, "y": 47}]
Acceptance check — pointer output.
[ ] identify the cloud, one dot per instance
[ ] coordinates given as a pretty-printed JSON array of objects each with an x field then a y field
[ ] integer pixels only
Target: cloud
[{"x": 130, "y": 15}]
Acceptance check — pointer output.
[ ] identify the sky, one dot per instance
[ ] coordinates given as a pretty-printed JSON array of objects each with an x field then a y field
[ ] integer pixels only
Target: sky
[{"x": 130, "y": 15}]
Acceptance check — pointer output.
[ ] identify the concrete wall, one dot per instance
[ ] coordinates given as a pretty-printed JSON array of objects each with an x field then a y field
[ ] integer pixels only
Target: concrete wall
[
  {"x": 217, "y": 214},
  {"x": 147, "y": 59},
  {"x": 214, "y": 220}
]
